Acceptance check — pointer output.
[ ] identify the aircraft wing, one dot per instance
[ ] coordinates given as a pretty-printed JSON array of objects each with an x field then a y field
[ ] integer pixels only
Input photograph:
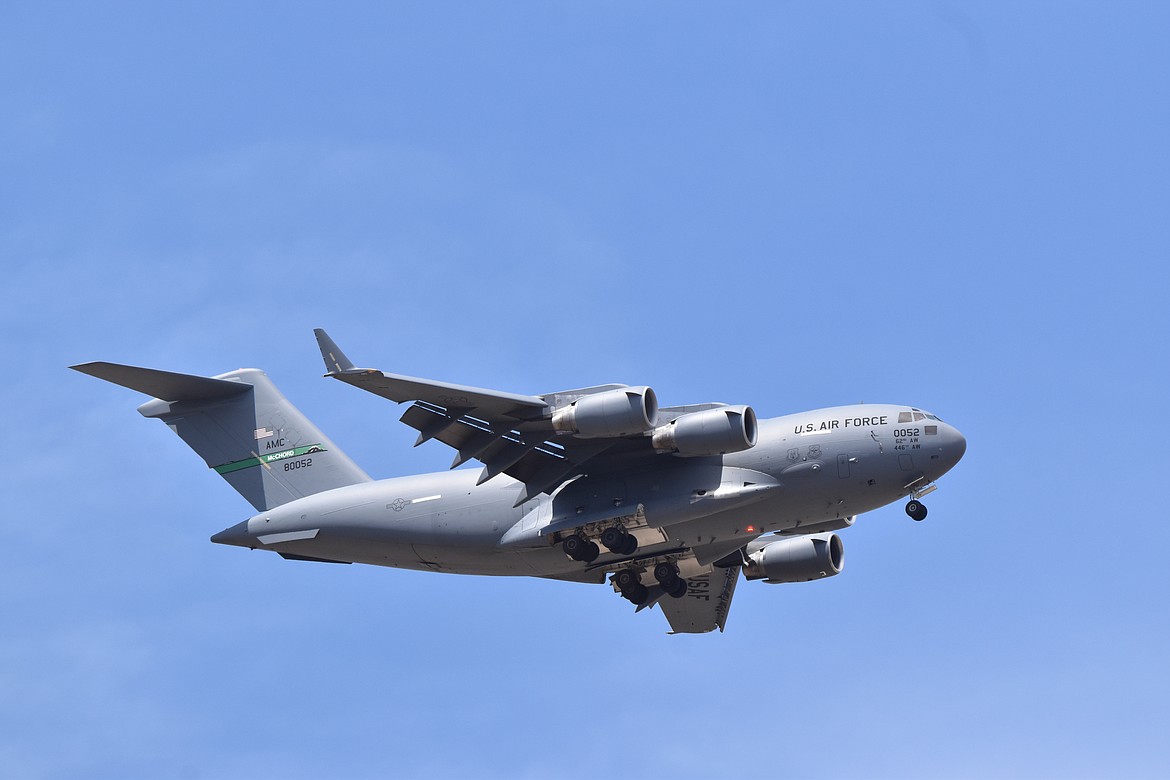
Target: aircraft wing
[
  {"x": 509, "y": 433},
  {"x": 706, "y": 604},
  {"x": 400, "y": 388}
]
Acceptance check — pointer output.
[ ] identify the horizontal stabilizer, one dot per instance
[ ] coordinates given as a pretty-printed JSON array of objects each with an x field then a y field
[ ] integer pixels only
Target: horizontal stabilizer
[
  {"x": 243, "y": 428},
  {"x": 166, "y": 385}
]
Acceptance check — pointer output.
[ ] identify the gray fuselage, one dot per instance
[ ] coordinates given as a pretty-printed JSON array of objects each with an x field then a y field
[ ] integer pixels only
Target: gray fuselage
[{"x": 825, "y": 467}]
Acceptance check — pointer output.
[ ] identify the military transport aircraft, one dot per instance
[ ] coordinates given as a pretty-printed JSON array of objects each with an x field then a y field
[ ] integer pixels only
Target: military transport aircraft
[{"x": 669, "y": 504}]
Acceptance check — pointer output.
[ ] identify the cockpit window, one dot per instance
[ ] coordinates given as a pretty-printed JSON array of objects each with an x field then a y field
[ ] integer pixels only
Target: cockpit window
[{"x": 915, "y": 415}]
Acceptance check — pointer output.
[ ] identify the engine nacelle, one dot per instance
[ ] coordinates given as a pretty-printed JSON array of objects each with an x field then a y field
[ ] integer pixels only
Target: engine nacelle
[
  {"x": 626, "y": 411},
  {"x": 710, "y": 432},
  {"x": 797, "y": 560}
]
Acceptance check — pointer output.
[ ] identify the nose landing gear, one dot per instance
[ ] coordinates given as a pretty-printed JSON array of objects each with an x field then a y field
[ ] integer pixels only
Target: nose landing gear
[{"x": 918, "y": 488}]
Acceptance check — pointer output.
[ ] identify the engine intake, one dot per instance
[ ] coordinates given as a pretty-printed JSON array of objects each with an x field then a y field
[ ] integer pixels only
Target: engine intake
[
  {"x": 710, "y": 432},
  {"x": 797, "y": 560},
  {"x": 627, "y": 411}
]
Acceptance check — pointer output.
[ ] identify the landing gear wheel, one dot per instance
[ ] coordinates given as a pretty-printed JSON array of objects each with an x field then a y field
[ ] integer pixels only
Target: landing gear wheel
[
  {"x": 666, "y": 574},
  {"x": 677, "y": 589},
  {"x": 916, "y": 510},
  {"x": 631, "y": 545},
  {"x": 614, "y": 538},
  {"x": 629, "y": 582},
  {"x": 579, "y": 548},
  {"x": 626, "y": 579},
  {"x": 574, "y": 547},
  {"x": 636, "y": 594}
]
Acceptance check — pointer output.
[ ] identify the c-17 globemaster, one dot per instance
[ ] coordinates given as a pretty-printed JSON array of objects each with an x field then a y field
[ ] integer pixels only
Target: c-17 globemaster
[{"x": 668, "y": 504}]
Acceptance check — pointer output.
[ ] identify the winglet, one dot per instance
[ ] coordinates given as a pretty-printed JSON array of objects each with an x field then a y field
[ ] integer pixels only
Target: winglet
[{"x": 335, "y": 360}]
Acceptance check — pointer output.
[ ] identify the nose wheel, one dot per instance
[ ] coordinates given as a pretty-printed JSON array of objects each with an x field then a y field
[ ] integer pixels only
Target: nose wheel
[{"x": 917, "y": 489}]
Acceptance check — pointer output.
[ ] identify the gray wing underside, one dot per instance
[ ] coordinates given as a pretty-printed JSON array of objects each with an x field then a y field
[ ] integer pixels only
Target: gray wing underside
[
  {"x": 706, "y": 604},
  {"x": 509, "y": 433}
]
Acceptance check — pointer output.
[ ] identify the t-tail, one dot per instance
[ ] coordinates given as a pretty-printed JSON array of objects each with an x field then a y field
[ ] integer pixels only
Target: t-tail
[{"x": 242, "y": 427}]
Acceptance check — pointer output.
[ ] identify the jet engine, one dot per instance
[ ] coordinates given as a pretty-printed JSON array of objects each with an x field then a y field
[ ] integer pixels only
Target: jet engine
[
  {"x": 797, "y": 560},
  {"x": 710, "y": 432},
  {"x": 627, "y": 411}
]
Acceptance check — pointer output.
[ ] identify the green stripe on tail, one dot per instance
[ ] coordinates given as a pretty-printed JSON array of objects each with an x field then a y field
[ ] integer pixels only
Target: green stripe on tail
[{"x": 271, "y": 457}]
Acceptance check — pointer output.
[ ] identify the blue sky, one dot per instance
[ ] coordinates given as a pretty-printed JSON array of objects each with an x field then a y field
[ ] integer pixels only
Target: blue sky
[{"x": 958, "y": 206}]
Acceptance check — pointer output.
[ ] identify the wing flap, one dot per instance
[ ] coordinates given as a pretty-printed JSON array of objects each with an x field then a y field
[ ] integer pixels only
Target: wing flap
[
  {"x": 506, "y": 456},
  {"x": 540, "y": 464},
  {"x": 455, "y": 432},
  {"x": 510, "y": 433}
]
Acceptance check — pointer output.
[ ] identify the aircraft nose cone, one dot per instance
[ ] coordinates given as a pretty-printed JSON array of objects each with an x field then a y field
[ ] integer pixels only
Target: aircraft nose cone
[
  {"x": 237, "y": 535},
  {"x": 954, "y": 446}
]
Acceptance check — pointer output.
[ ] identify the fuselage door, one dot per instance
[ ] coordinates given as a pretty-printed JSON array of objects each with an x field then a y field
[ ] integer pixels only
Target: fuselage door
[{"x": 843, "y": 466}]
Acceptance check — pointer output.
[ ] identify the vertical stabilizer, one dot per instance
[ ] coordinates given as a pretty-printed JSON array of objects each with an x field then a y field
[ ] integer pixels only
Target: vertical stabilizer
[{"x": 242, "y": 427}]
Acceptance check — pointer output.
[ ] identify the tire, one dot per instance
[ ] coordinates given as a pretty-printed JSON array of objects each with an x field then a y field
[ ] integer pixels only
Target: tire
[
  {"x": 626, "y": 579},
  {"x": 574, "y": 547},
  {"x": 637, "y": 594},
  {"x": 665, "y": 573},
  {"x": 614, "y": 538}
]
